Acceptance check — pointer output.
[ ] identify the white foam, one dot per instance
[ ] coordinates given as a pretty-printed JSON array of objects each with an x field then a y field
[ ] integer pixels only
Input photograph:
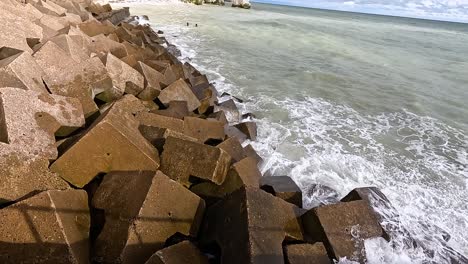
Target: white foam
[{"x": 419, "y": 163}]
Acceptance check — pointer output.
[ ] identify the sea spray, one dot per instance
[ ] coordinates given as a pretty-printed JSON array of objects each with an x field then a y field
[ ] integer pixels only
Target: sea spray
[{"x": 418, "y": 157}]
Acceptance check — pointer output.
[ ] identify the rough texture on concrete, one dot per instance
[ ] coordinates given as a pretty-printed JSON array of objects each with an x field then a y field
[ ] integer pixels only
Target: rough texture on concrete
[
  {"x": 182, "y": 159},
  {"x": 32, "y": 119},
  {"x": 343, "y": 228},
  {"x": 307, "y": 254},
  {"x": 250, "y": 226},
  {"x": 51, "y": 227},
  {"x": 141, "y": 215},
  {"x": 179, "y": 90},
  {"x": 20, "y": 71},
  {"x": 112, "y": 143},
  {"x": 203, "y": 129},
  {"x": 283, "y": 187}
]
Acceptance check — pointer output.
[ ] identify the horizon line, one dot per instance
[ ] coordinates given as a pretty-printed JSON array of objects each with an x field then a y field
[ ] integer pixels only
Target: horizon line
[{"x": 435, "y": 19}]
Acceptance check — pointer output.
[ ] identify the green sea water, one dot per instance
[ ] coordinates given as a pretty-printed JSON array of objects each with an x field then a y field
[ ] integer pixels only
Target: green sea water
[{"x": 347, "y": 100}]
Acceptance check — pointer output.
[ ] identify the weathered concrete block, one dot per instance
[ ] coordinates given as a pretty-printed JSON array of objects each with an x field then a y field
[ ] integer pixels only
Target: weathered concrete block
[
  {"x": 307, "y": 254},
  {"x": 51, "y": 227},
  {"x": 157, "y": 136},
  {"x": 179, "y": 91},
  {"x": 244, "y": 173},
  {"x": 203, "y": 129},
  {"x": 219, "y": 116},
  {"x": 232, "y": 131},
  {"x": 160, "y": 121},
  {"x": 181, "y": 253},
  {"x": 234, "y": 148},
  {"x": 124, "y": 77},
  {"x": 283, "y": 187},
  {"x": 182, "y": 159},
  {"x": 158, "y": 65},
  {"x": 115, "y": 16},
  {"x": 250, "y": 152},
  {"x": 250, "y": 226},
  {"x": 22, "y": 175},
  {"x": 16, "y": 30},
  {"x": 73, "y": 46},
  {"x": 68, "y": 77},
  {"x": 176, "y": 109},
  {"x": 249, "y": 129},
  {"x": 31, "y": 120},
  {"x": 103, "y": 44},
  {"x": 153, "y": 81},
  {"x": 20, "y": 70},
  {"x": 140, "y": 215},
  {"x": 343, "y": 228},
  {"x": 230, "y": 109},
  {"x": 112, "y": 143},
  {"x": 93, "y": 28}
]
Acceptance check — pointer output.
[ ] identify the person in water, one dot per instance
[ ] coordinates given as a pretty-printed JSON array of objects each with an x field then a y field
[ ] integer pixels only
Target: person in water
[{"x": 188, "y": 24}]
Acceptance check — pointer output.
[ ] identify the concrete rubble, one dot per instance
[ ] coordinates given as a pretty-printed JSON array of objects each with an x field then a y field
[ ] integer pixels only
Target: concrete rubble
[{"x": 112, "y": 150}]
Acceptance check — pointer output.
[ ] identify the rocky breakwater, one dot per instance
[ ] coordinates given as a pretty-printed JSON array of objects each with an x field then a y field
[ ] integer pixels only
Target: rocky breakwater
[{"x": 113, "y": 151}]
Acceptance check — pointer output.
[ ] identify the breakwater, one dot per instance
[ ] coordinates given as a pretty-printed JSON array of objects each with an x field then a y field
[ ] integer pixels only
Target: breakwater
[{"x": 150, "y": 163}]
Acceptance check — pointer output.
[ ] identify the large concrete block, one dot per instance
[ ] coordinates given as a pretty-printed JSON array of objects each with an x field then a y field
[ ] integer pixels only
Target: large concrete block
[
  {"x": 176, "y": 109},
  {"x": 73, "y": 46},
  {"x": 307, "y": 254},
  {"x": 250, "y": 226},
  {"x": 230, "y": 109},
  {"x": 179, "y": 91},
  {"x": 181, "y": 253},
  {"x": 153, "y": 81},
  {"x": 234, "y": 148},
  {"x": 68, "y": 77},
  {"x": 16, "y": 30},
  {"x": 203, "y": 129},
  {"x": 115, "y": 16},
  {"x": 182, "y": 159},
  {"x": 249, "y": 129},
  {"x": 112, "y": 143},
  {"x": 51, "y": 227},
  {"x": 124, "y": 77},
  {"x": 31, "y": 120},
  {"x": 23, "y": 175},
  {"x": 93, "y": 28},
  {"x": 140, "y": 215},
  {"x": 160, "y": 121},
  {"x": 283, "y": 187},
  {"x": 343, "y": 227},
  {"x": 103, "y": 44},
  {"x": 19, "y": 70},
  {"x": 244, "y": 173},
  {"x": 250, "y": 152}
]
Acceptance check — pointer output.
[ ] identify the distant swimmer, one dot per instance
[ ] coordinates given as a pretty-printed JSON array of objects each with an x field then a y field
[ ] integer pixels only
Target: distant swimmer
[
  {"x": 196, "y": 25},
  {"x": 188, "y": 24}
]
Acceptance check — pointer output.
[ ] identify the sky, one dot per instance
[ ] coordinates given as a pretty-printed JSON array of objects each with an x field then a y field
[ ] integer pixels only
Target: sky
[{"x": 449, "y": 10}]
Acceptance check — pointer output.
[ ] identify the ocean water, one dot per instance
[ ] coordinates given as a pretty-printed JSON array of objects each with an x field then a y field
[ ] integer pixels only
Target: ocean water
[{"x": 347, "y": 100}]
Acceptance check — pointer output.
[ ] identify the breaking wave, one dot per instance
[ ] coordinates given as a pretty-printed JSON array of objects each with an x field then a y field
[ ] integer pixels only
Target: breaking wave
[{"x": 419, "y": 163}]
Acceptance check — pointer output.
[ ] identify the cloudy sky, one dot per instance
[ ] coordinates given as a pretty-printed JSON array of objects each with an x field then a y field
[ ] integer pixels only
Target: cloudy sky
[{"x": 451, "y": 10}]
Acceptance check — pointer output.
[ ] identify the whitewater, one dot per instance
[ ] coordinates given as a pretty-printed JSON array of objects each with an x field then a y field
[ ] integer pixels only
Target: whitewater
[{"x": 347, "y": 100}]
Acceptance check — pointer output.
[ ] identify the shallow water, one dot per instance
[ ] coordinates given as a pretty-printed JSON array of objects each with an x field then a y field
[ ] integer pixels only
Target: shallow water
[{"x": 347, "y": 100}]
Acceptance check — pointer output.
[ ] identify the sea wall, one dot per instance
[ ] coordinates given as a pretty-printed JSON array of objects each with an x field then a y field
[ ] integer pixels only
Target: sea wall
[{"x": 114, "y": 151}]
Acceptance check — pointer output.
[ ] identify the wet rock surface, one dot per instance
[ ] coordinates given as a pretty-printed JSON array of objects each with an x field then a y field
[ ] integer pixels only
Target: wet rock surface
[{"x": 114, "y": 151}]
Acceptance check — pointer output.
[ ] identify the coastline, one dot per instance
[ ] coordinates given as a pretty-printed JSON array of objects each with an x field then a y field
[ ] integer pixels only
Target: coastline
[{"x": 155, "y": 131}]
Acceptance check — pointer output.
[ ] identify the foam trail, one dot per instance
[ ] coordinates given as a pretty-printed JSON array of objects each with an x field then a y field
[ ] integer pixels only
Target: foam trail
[{"x": 420, "y": 163}]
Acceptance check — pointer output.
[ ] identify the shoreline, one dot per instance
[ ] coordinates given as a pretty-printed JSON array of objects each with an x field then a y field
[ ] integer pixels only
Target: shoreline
[{"x": 135, "y": 160}]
